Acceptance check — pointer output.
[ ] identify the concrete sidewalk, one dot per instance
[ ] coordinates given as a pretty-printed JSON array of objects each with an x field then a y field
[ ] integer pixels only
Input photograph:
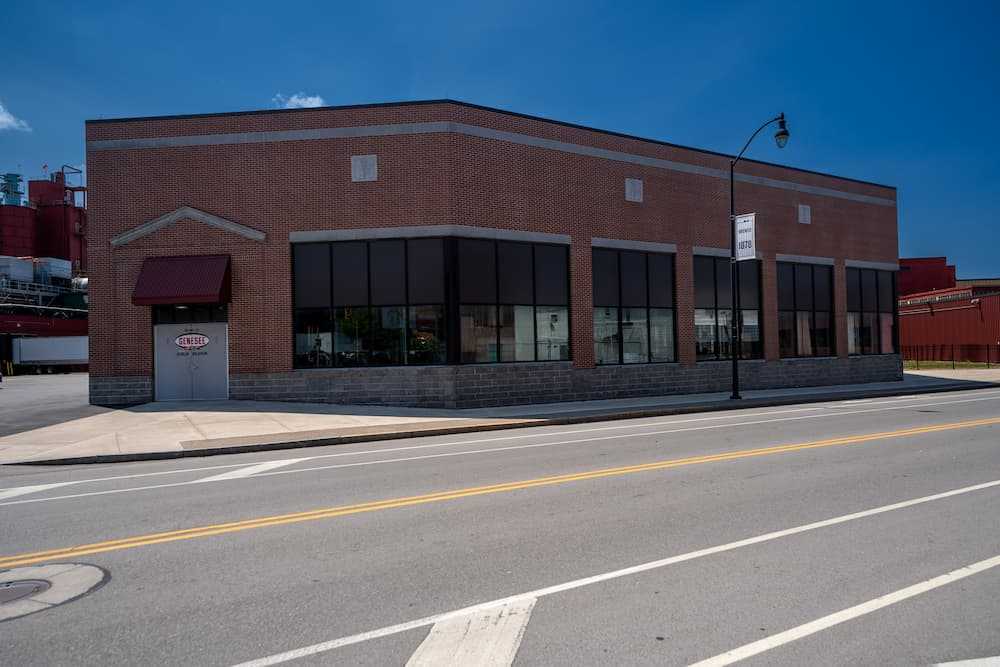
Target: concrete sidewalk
[{"x": 177, "y": 429}]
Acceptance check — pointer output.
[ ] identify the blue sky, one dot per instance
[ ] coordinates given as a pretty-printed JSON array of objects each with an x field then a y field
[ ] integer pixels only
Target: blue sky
[{"x": 894, "y": 93}]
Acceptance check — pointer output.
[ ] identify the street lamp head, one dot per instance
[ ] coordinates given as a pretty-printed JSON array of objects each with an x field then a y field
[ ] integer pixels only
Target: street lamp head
[{"x": 781, "y": 136}]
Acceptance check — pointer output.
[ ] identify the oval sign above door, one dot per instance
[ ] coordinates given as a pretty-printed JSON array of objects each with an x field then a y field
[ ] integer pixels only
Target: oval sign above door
[{"x": 192, "y": 340}]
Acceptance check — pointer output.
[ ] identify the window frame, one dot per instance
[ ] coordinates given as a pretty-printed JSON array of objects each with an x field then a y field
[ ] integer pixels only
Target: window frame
[
  {"x": 716, "y": 260},
  {"x": 369, "y": 307},
  {"x": 497, "y": 304},
  {"x": 620, "y": 305},
  {"x": 877, "y": 311},
  {"x": 813, "y": 310},
  {"x": 450, "y": 305}
]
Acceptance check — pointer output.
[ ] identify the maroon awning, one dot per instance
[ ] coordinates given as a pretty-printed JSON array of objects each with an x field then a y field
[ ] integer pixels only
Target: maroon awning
[{"x": 190, "y": 279}]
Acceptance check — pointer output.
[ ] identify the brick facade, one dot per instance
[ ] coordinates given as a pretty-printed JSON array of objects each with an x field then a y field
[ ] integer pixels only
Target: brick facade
[{"x": 465, "y": 165}]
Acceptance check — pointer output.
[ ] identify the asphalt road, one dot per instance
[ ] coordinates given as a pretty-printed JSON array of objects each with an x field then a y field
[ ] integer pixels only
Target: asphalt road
[
  {"x": 783, "y": 534},
  {"x": 33, "y": 401}
]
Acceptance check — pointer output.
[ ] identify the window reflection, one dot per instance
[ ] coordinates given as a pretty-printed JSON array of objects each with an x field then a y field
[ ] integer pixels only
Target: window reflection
[{"x": 426, "y": 344}]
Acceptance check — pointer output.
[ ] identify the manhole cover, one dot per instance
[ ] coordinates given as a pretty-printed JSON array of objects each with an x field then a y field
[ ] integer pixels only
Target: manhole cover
[
  {"x": 15, "y": 590},
  {"x": 34, "y": 588}
]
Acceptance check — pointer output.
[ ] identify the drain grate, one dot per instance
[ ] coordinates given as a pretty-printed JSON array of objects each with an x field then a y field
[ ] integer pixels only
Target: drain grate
[{"x": 11, "y": 591}]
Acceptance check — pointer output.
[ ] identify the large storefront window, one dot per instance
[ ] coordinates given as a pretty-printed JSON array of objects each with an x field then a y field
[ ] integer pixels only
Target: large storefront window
[
  {"x": 513, "y": 301},
  {"x": 633, "y": 307},
  {"x": 713, "y": 308},
  {"x": 394, "y": 302},
  {"x": 805, "y": 310},
  {"x": 871, "y": 311}
]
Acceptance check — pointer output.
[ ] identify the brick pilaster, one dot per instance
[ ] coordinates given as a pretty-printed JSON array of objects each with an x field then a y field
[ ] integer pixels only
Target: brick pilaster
[
  {"x": 769, "y": 307},
  {"x": 840, "y": 306},
  {"x": 684, "y": 306},
  {"x": 581, "y": 302}
]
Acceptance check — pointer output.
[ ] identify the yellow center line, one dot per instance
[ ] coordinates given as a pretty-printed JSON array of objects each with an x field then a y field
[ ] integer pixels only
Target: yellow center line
[{"x": 393, "y": 503}]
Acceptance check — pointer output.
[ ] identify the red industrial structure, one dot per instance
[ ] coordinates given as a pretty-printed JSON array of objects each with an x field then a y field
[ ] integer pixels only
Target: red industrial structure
[
  {"x": 43, "y": 259},
  {"x": 53, "y": 224},
  {"x": 955, "y": 320},
  {"x": 923, "y": 274}
]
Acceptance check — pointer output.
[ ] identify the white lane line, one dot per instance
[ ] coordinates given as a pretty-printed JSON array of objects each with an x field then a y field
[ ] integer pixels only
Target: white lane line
[
  {"x": 248, "y": 471},
  {"x": 844, "y": 615},
  {"x": 24, "y": 490},
  {"x": 473, "y": 451},
  {"x": 484, "y": 638},
  {"x": 975, "y": 662},
  {"x": 322, "y": 647},
  {"x": 833, "y": 411}
]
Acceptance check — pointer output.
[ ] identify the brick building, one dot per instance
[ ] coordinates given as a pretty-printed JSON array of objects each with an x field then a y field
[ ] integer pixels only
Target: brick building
[{"x": 445, "y": 254}]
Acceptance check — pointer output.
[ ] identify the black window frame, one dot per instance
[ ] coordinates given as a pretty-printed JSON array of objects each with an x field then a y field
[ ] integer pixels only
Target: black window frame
[
  {"x": 723, "y": 261},
  {"x": 857, "y": 275},
  {"x": 450, "y": 304},
  {"x": 497, "y": 304},
  {"x": 369, "y": 307},
  {"x": 813, "y": 308},
  {"x": 620, "y": 305}
]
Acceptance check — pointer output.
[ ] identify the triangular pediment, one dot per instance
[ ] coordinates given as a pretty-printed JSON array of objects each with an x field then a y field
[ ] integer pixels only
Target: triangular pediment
[{"x": 186, "y": 213}]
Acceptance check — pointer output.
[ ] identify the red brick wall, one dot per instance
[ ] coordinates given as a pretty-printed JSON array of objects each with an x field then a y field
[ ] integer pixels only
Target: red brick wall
[{"x": 426, "y": 180}]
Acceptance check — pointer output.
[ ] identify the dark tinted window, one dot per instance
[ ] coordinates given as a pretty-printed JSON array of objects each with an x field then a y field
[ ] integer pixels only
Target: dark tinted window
[
  {"x": 476, "y": 271},
  {"x": 724, "y": 282},
  {"x": 312, "y": 275},
  {"x": 633, "y": 271},
  {"x": 551, "y": 276},
  {"x": 853, "y": 290},
  {"x": 350, "y": 274},
  {"x": 661, "y": 281},
  {"x": 605, "y": 278},
  {"x": 388, "y": 272},
  {"x": 803, "y": 287},
  {"x": 823, "y": 287},
  {"x": 190, "y": 314},
  {"x": 786, "y": 286},
  {"x": 749, "y": 284},
  {"x": 704, "y": 282},
  {"x": 515, "y": 269},
  {"x": 886, "y": 293},
  {"x": 425, "y": 264},
  {"x": 869, "y": 291}
]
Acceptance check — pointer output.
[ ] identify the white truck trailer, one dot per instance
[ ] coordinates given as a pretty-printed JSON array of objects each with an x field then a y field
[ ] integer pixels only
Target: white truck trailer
[{"x": 50, "y": 354}]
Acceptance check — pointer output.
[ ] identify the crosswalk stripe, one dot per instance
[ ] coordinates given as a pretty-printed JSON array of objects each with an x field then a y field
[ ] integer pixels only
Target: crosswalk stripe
[
  {"x": 250, "y": 471},
  {"x": 25, "y": 490},
  {"x": 484, "y": 638}
]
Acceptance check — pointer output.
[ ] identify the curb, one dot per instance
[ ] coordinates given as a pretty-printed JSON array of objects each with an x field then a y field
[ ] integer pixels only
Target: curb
[{"x": 521, "y": 422}]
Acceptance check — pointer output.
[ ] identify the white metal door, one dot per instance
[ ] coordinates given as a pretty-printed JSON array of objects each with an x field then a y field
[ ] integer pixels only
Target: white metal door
[{"x": 191, "y": 361}]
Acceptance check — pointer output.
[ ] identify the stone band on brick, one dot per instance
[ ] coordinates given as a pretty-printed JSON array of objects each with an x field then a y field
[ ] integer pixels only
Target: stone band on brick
[
  {"x": 121, "y": 390},
  {"x": 492, "y": 385}
]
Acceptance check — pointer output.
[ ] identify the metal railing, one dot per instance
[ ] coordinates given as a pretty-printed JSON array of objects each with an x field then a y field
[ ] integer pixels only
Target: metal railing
[{"x": 954, "y": 354}]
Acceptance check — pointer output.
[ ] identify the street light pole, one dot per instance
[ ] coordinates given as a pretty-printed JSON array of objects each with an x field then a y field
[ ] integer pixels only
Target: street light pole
[{"x": 735, "y": 320}]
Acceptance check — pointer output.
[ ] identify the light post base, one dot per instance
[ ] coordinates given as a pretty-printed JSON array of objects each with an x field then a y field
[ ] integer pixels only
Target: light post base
[{"x": 735, "y": 397}]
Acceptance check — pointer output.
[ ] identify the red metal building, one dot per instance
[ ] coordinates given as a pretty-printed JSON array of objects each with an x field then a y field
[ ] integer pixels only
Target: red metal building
[
  {"x": 923, "y": 274},
  {"x": 958, "y": 321}
]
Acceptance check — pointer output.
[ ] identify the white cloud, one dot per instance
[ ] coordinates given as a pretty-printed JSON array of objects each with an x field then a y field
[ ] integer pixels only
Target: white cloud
[
  {"x": 9, "y": 122},
  {"x": 298, "y": 101}
]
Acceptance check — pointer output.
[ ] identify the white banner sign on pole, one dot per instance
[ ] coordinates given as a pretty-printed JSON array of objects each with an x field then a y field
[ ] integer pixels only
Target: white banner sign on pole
[{"x": 746, "y": 239}]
